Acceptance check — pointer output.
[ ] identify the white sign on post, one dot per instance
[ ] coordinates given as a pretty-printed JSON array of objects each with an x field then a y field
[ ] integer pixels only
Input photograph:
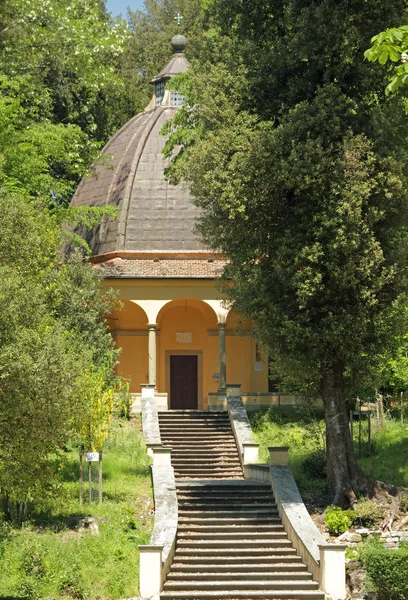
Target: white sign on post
[{"x": 92, "y": 456}]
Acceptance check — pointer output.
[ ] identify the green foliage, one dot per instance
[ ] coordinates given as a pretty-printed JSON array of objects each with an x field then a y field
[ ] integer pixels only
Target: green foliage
[
  {"x": 289, "y": 150},
  {"x": 367, "y": 512},
  {"x": 387, "y": 570},
  {"x": 390, "y": 46},
  {"x": 56, "y": 356},
  {"x": 337, "y": 520},
  {"x": 404, "y": 502},
  {"x": 315, "y": 465},
  {"x": 51, "y": 558}
]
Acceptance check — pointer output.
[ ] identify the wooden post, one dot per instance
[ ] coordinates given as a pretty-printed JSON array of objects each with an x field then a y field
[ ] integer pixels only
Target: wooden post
[
  {"x": 402, "y": 408},
  {"x": 81, "y": 477},
  {"x": 359, "y": 432},
  {"x": 90, "y": 480},
  {"x": 100, "y": 477},
  {"x": 369, "y": 432}
]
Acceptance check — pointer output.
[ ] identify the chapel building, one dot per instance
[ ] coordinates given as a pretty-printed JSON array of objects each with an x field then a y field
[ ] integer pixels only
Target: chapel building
[{"x": 175, "y": 333}]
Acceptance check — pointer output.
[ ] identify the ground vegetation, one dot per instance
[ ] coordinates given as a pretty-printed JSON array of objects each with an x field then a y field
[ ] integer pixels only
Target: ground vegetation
[{"x": 55, "y": 555}]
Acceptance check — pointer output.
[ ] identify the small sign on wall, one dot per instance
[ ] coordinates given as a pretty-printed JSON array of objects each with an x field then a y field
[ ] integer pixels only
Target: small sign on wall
[
  {"x": 184, "y": 337},
  {"x": 259, "y": 367}
]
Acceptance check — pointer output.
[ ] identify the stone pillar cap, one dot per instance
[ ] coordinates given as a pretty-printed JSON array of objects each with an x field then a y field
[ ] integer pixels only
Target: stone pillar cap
[
  {"x": 150, "y": 548},
  {"x": 333, "y": 546}
]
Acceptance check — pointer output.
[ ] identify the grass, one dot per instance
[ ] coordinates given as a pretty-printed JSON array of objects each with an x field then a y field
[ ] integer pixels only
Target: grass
[
  {"x": 304, "y": 433},
  {"x": 50, "y": 559}
]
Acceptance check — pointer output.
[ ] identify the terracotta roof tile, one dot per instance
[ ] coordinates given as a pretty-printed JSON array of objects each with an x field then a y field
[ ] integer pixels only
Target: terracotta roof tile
[{"x": 166, "y": 268}]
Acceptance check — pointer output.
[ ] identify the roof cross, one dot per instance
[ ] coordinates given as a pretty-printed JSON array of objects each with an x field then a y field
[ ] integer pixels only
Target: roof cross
[{"x": 178, "y": 18}]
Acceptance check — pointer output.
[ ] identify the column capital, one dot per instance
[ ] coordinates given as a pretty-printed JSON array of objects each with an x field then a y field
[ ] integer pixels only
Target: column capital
[
  {"x": 222, "y": 324},
  {"x": 152, "y": 325}
]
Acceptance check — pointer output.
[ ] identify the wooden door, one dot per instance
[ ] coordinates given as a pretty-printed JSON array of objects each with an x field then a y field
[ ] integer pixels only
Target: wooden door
[{"x": 183, "y": 382}]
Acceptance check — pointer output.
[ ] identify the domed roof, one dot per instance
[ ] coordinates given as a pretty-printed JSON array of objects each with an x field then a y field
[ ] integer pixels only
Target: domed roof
[{"x": 152, "y": 214}]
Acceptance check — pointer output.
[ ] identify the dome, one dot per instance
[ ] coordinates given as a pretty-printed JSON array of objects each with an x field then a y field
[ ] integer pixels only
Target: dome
[{"x": 152, "y": 214}]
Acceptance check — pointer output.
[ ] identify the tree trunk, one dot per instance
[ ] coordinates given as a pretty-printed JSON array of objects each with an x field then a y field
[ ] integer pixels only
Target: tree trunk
[{"x": 346, "y": 480}]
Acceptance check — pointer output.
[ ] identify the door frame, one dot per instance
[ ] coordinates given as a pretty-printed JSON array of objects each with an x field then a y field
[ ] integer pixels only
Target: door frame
[{"x": 199, "y": 354}]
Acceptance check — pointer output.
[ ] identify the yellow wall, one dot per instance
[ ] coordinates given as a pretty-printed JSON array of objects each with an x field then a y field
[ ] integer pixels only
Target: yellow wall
[
  {"x": 133, "y": 360},
  {"x": 185, "y": 312}
]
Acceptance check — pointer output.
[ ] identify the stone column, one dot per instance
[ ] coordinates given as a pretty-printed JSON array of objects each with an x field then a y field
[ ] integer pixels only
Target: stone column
[
  {"x": 222, "y": 358},
  {"x": 152, "y": 353}
]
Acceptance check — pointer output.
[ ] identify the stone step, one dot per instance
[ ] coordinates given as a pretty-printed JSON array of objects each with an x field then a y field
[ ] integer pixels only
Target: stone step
[
  {"x": 242, "y": 595},
  {"x": 216, "y": 472},
  {"x": 209, "y": 455},
  {"x": 195, "y": 423},
  {"x": 197, "y": 442},
  {"x": 235, "y": 551},
  {"x": 227, "y": 485},
  {"x": 194, "y": 500},
  {"x": 222, "y": 460},
  {"x": 227, "y": 528},
  {"x": 219, "y": 476},
  {"x": 233, "y": 544},
  {"x": 231, "y": 507},
  {"x": 229, "y": 499},
  {"x": 247, "y": 559},
  {"x": 230, "y": 521},
  {"x": 200, "y": 469},
  {"x": 232, "y": 567},
  {"x": 238, "y": 536},
  {"x": 222, "y": 586},
  {"x": 240, "y": 576}
]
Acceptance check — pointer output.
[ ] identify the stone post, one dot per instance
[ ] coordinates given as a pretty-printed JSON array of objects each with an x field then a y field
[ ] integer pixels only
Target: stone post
[
  {"x": 161, "y": 457},
  {"x": 222, "y": 358},
  {"x": 233, "y": 389},
  {"x": 250, "y": 454},
  {"x": 152, "y": 353},
  {"x": 333, "y": 570},
  {"x": 150, "y": 572},
  {"x": 278, "y": 456}
]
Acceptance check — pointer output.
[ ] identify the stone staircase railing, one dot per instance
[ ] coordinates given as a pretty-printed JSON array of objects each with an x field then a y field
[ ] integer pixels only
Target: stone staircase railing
[
  {"x": 156, "y": 557},
  {"x": 325, "y": 561}
]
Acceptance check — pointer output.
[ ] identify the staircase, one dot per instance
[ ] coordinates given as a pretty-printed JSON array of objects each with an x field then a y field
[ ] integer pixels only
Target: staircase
[
  {"x": 202, "y": 442},
  {"x": 231, "y": 543}
]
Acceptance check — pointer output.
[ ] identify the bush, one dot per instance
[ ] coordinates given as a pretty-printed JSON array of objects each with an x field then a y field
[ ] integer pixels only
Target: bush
[
  {"x": 338, "y": 521},
  {"x": 387, "y": 570},
  {"x": 367, "y": 512},
  {"x": 404, "y": 502},
  {"x": 315, "y": 465}
]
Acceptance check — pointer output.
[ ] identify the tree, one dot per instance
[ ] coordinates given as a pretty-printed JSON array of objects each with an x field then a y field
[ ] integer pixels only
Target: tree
[
  {"x": 289, "y": 149},
  {"x": 56, "y": 357},
  {"x": 391, "y": 46}
]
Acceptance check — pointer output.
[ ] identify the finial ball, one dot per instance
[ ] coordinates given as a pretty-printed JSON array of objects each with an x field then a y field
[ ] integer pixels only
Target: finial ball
[{"x": 178, "y": 42}]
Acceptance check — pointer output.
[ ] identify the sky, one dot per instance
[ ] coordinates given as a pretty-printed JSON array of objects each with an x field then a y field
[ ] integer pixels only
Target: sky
[{"x": 120, "y": 6}]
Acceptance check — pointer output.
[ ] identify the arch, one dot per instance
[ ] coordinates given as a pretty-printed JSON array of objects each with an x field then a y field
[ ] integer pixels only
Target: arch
[
  {"x": 184, "y": 327},
  {"x": 129, "y": 329},
  {"x": 190, "y": 303},
  {"x": 129, "y": 317},
  {"x": 219, "y": 308}
]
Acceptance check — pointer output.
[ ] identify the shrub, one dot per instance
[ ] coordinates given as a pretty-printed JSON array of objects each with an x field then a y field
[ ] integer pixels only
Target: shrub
[
  {"x": 338, "y": 521},
  {"x": 387, "y": 570},
  {"x": 367, "y": 512},
  {"x": 404, "y": 502},
  {"x": 315, "y": 465}
]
